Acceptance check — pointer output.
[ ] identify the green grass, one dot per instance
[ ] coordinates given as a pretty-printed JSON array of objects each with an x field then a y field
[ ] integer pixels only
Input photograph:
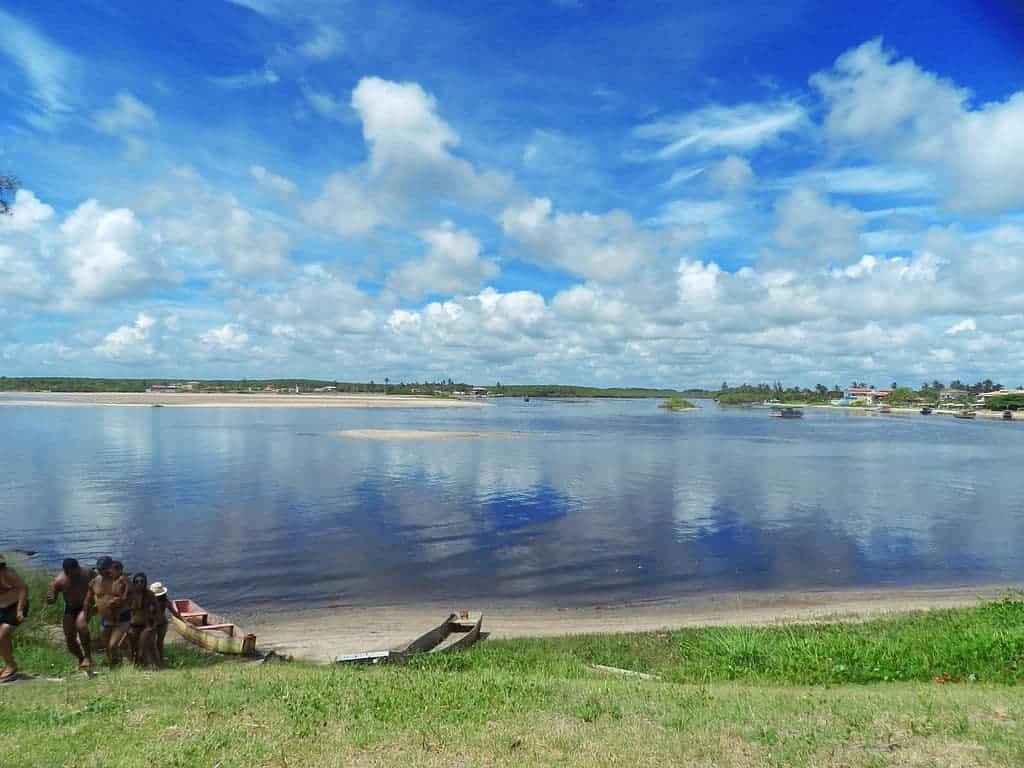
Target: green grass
[{"x": 851, "y": 694}]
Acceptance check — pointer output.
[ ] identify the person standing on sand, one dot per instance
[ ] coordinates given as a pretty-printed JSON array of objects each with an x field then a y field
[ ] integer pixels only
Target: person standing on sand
[
  {"x": 13, "y": 610},
  {"x": 73, "y": 583},
  {"x": 108, "y": 596}
]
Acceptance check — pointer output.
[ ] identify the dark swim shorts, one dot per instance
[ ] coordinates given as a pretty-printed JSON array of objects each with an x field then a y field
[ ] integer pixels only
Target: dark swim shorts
[
  {"x": 72, "y": 610},
  {"x": 9, "y": 615},
  {"x": 121, "y": 619}
]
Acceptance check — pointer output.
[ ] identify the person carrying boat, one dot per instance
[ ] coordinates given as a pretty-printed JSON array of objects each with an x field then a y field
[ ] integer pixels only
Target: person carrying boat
[
  {"x": 142, "y": 623},
  {"x": 73, "y": 583},
  {"x": 13, "y": 610},
  {"x": 164, "y": 604},
  {"x": 107, "y": 595}
]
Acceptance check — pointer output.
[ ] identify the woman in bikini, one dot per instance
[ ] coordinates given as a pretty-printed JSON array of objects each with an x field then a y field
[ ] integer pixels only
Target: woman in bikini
[{"x": 145, "y": 613}]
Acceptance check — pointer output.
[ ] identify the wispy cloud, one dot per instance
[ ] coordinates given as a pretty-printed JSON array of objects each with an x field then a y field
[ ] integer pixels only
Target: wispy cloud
[
  {"x": 742, "y": 127},
  {"x": 327, "y": 43},
  {"x": 128, "y": 115},
  {"x": 257, "y": 78},
  {"x": 47, "y": 66}
]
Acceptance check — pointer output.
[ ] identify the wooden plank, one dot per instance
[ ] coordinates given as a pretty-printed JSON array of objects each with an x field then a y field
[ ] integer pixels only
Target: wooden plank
[{"x": 624, "y": 672}]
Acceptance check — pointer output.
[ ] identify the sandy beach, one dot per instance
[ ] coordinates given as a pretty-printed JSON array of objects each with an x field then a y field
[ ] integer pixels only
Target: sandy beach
[
  {"x": 320, "y": 634},
  {"x": 224, "y": 400},
  {"x": 418, "y": 434}
]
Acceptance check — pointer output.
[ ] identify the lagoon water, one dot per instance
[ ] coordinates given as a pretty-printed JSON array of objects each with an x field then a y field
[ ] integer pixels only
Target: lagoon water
[{"x": 597, "y": 500}]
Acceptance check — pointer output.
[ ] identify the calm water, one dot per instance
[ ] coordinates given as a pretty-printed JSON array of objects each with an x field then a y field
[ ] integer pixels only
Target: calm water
[{"x": 600, "y": 500}]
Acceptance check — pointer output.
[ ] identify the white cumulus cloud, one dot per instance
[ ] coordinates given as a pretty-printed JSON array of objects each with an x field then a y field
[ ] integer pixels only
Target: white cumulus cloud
[{"x": 900, "y": 112}]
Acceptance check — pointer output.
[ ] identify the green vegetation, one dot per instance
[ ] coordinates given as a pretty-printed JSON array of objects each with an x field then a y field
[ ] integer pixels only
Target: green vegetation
[
  {"x": 804, "y": 695},
  {"x": 1005, "y": 402},
  {"x": 676, "y": 403},
  {"x": 564, "y": 390},
  {"x": 747, "y": 394},
  {"x": 443, "y": 388}
]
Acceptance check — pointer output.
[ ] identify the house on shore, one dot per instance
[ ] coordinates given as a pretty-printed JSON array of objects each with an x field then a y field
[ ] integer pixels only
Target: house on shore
[{"x": 868, "y": 394}]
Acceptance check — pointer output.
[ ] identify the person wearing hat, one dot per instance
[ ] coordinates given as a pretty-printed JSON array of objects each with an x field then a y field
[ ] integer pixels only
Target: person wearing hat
[
  {"x": 164, "y": 604},
  {"x": 108, "y": 595},
  {"x": 73, "y": 583},
  {"x": 13, "y": 610}
]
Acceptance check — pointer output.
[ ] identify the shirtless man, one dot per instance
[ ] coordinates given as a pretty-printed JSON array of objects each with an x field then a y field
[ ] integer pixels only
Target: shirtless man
[
  {"x": 144, "y": 616},
  {"x": 108, "y": 596},
  {"x": 73, "y": 583},
  {"x": 13, "y": 610}
]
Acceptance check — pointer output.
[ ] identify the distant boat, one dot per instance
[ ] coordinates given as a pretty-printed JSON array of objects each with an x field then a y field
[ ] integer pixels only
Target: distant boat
[
  {"x": 884, "y": 409},
  {"x": 926, "y": 411},
  {"x": 457, "y": 632},
  {"x": 1007, "y": 415},
  {"x": 210, "y": 631},
  {"x": 526, "y": 399},
  {"x": 964, "y": 415},
  {"x": 785, "y": 412}
]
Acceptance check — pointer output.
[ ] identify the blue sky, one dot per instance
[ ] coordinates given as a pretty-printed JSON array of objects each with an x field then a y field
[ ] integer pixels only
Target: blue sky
[{"x": 603, "y": 193}]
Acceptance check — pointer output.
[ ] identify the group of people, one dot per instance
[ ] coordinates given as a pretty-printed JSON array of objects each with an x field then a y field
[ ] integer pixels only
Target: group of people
[{"x": 132, "y": 612}]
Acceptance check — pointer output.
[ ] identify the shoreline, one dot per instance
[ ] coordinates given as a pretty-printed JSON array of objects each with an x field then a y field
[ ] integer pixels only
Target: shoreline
[
  {"x": 319, "y": 634},
  {"x": 227, "y": 400}
]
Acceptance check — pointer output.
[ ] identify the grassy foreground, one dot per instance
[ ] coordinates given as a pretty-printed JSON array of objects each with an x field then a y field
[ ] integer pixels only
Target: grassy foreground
[{"x": 842, "y": 695}]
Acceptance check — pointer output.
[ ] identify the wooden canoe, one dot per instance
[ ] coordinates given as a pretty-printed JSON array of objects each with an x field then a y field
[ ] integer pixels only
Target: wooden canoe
[
  {"x": 207, "y": 630},
  {"x": 457, "y": 632}
]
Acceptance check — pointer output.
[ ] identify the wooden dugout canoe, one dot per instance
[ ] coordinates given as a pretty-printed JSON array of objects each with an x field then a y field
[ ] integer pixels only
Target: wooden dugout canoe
[
  {"x": 457, "y": 632},
  {"x": 207, "y": 630}
]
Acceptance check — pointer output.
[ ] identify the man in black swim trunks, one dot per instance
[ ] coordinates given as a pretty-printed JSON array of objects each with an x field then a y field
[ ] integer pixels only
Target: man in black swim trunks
[
  {"x": 108, "y": 595},
  {"x": 13, "y": 610},
  {"x": 73, "y": 583}
]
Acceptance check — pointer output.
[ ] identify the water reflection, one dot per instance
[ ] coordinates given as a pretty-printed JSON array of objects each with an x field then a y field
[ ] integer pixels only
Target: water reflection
[{"x": 598, "y": 501}]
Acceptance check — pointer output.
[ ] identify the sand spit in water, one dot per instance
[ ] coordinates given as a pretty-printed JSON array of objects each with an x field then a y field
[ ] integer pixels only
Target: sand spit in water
[
  {"x": 215, "y": 400},
  {"x": 322, "y": 633},
  {"x": 418, "y": 434}
]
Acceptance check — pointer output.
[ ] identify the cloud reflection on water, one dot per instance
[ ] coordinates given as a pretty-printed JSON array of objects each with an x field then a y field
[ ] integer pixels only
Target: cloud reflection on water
[{"x": 608, "y": 500}]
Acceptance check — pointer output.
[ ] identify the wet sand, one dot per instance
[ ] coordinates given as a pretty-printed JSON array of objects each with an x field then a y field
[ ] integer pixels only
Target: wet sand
[
  {"x": 418, "y": 434},
  {"x": 225, "y": 400},
  {"x": 320, "y": 634}
]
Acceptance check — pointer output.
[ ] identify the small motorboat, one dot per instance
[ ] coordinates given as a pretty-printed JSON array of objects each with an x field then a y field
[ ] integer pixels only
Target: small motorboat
[
  {"x": 457, "y": 632},
  {"x": 926, "y": 411},
  {"x": 884, "y": 409},
  {"x": 207, "y": 630},
  {"x": 1007, "y": 415},
  {"x": 785, "y": 412},
  {"x": 964, "y": 415}
]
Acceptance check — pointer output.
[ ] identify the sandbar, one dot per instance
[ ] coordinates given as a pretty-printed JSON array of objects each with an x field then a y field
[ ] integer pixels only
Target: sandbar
[
  {"x": 231, "y": 400},
  {"x": 319, "y": 634},
  {"x": 418, "y": 434}
]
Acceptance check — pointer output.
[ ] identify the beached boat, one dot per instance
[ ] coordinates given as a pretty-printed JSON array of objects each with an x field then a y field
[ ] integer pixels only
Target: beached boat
[
  {"x": 964, "y": 415},
  {"x": 786, "y": 412},
  {"x": 207, "y": 630},
  {"x": 926, "y": 410},
  {"x": 1007, "y": 415},
  {"x": 457, "y": 632},
  {"x": 884, "y": 409}
]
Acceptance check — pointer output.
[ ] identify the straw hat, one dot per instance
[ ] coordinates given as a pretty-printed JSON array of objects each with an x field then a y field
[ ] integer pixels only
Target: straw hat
[{"x": 158, "y": 589}]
